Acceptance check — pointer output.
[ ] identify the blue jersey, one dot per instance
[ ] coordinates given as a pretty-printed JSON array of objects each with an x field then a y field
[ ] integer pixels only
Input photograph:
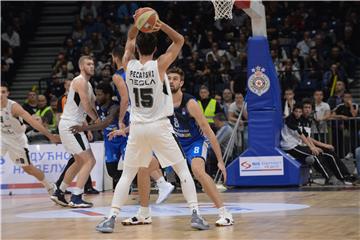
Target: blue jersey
[
  {"x": 185, "y": 126},
  {"x": 121, "y": 73},
  {"x": 103, "y": 112},
  {"x": 116, "y": 147}
]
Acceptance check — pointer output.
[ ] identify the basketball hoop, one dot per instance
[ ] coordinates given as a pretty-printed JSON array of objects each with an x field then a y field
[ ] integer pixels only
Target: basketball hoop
[
  {"x": 253, "y": 8},
  {"x": 223, "y": 9}
]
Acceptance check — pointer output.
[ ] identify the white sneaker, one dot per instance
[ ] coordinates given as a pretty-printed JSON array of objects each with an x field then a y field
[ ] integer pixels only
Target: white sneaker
[
  {"x": 137, "y": 220},
  {"x": 225, "y": 219},
  {"x": 52, "y": 190},
  {"x": 165, "y": 190}
]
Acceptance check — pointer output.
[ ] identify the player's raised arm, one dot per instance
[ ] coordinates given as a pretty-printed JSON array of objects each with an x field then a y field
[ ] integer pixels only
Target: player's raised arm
[
  {"x": 81, "y": 86},
  {"x": 166, "y": 59},
  {"x": 18, "y": 111},
  {"x": 124, "y": 101},
  {"x": 130, "y": 45}
]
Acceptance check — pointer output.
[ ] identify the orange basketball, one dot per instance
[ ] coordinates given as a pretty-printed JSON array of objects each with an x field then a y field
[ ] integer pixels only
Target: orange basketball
[{"x": 145, "y": 19}]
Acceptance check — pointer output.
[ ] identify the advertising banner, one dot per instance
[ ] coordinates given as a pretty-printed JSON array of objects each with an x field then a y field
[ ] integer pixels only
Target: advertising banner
[
  {"x": 51, "y": 159},
  {"x": 261, "y": 166}
]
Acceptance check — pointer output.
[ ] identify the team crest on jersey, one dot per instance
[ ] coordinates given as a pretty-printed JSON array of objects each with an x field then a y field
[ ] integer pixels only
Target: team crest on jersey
[{"x": 259, "y": 82}]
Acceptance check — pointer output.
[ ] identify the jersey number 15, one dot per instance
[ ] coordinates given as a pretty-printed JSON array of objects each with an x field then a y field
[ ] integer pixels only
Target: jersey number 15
[{"x": 145, "y": 97}]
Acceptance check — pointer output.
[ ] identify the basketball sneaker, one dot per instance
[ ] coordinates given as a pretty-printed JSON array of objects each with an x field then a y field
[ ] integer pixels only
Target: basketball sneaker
[
  {"x": 198, "y": 222},
  {"x": 52, "y": 189},
  {"x": 59, "y": 198},
  {"x": 225, "y": 219},
  {"x": 165, "y": 189},
  {"x": 76, "y": 201},
  {"x": 137, "y": 220},
  {"x": 107, "y": 225}
]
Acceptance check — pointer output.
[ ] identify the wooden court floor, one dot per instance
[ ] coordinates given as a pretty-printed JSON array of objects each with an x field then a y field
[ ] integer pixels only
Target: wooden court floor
[{"x": 326, "y": 215}]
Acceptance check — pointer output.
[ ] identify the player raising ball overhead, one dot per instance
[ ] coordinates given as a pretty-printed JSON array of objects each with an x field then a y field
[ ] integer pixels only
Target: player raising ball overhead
[{"x": 151, "y": 104}]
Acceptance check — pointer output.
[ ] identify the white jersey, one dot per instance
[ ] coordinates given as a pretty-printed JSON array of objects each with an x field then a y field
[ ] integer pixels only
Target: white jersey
[
  {"x": 12, "y": 128},
  {"x": 150, "y": 97},
  {"x": 73, "y": 109}
]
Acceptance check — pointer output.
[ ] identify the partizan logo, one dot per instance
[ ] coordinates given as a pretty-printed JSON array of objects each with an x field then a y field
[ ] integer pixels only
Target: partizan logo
[{"x": 259, "y": 82}]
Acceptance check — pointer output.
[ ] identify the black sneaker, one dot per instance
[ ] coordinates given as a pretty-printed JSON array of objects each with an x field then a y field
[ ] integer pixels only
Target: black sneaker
[
  {"x": 77, "y": 202},
  {"x": 59, "y": 198},
  {"x": 91, "y": 191}
]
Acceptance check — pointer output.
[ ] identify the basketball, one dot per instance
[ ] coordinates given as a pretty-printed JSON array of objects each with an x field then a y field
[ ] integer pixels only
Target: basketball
[{"x": 145, "y": 19}]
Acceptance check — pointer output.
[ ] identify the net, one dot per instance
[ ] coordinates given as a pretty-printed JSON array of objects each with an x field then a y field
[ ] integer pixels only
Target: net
[{"x": 223, "y": 8}]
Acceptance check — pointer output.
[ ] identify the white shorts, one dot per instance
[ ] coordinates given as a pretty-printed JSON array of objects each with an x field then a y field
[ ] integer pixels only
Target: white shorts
[
  {"x": 147, "y": 139},
  {"x": 73, "y": 143},
  {"x": 18, "y": 152}
]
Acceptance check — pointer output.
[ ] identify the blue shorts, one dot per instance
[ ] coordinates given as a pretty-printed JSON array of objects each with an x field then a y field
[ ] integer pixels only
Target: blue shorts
[
  {"x": 113, "y": 151},
  {"x": 197, "y": 149}
]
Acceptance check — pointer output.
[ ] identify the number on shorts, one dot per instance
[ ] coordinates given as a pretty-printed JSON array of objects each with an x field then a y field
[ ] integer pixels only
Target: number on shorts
[
  {"x": 196, "y": 149},
  {"x": 145, "y": 98}
]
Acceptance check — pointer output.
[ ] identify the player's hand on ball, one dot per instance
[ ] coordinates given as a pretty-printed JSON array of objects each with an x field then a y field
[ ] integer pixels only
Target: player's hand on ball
[
  {"x": 157, "y": 26},
  {"x": 222, "y": 168},
  {"x": 55, "y": 138}
]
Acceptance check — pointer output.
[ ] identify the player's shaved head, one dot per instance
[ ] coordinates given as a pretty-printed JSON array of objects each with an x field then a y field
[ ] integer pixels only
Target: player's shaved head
[{"x": 83, "y": 58}]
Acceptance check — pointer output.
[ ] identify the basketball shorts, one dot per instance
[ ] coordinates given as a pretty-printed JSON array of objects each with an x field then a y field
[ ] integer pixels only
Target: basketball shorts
[
  {"x": 73, "y": 143},
  {"x": 18, "y": 150},
  {"x": 157, "y": 138},
  {"x": 197, "y": 149},
  {"x": 114, "y": 151}
]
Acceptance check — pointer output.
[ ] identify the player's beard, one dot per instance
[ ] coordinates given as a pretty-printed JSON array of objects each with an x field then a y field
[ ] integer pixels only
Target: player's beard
[
  {"x": 174, "y": 89},
  {"x": 90, "y": 73}
]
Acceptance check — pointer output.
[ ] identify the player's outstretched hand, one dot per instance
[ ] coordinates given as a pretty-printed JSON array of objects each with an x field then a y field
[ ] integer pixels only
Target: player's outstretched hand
[
  {"x": 55, "y": 138},
  {"x": 120, "y": 132},
  {"x": 157, "y": 26},
  {"x": 75, "y": 129},
  {"x": 222, "y": 168}
]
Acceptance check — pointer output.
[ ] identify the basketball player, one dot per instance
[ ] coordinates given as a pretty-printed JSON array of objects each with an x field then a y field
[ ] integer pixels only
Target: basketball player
[
  {"x": 190, "y": 126},
  {"x": 108, "y": 111},
  {"x": 151, "y": 130},
  {"x": 14, "y": 140},
  {"x": 79, "y": 104},
  {"x": 165, "y": 188}
]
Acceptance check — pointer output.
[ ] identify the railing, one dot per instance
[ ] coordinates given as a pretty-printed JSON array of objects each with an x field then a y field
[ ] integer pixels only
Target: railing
[{"x": 343, "y": 134}]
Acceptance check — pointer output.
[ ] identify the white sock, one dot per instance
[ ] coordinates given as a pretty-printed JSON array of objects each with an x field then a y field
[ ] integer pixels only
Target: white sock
[
  {"x": 194, "y": 206},
  {"x": 46, "y": 184},
  {"x": 114, "y": 212},
  {"x": 222, "y": 210},
  {"x": 187, "y": 185},
  {"x": 160, "y": 180},
  {"x": 63, "y": 186},
  {"x": 121, "y": 192},
  {"x": 77, "y": 191},
  {"x": 144, "y": 211}
]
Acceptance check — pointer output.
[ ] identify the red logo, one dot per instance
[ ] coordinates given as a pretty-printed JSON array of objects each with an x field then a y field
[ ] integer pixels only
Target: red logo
[{"x": 246, "y": 165}]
